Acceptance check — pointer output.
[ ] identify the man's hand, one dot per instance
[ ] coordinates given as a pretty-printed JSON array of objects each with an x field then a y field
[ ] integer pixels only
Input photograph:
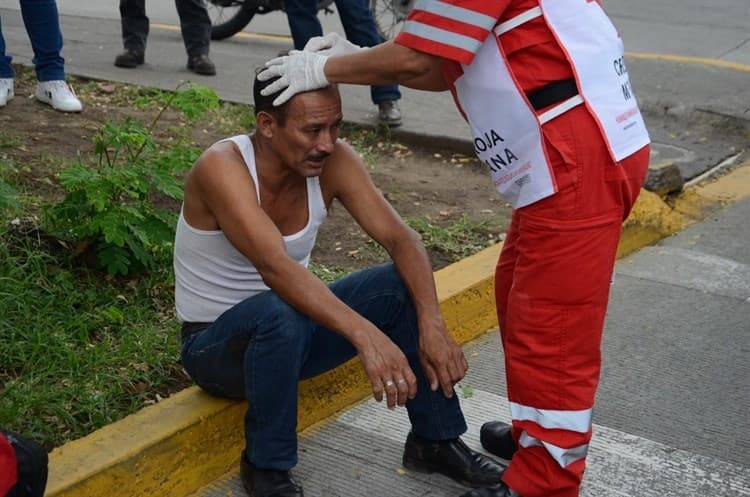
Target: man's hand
[
  {"x": 388, "y": 370},
  {"x": 442, "y": 359},
  {"x": 331, "y": 44},
  {"x": 299, "y": 71}
]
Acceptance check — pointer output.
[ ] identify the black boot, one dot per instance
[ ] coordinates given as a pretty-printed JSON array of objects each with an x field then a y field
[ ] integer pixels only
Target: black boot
[
  {"x": 267, "y": 482},
  {"x": 453, "y": 459},
  {"x": 201, "y": 64},
  {"x": 496, "y": 439},
  {"x": 129, "y": 58}
]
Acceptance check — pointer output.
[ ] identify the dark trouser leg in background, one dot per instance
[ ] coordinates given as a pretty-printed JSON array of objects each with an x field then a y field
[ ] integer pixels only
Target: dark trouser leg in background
[
  {"x": 135, "y": 25},
  {"x": 195, "y": 25}
]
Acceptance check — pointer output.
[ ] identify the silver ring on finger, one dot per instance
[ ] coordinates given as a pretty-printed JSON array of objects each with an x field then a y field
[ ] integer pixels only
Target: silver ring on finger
[
  {"x": 400, "y": 381},
  {"x": 389, "y": 383}
]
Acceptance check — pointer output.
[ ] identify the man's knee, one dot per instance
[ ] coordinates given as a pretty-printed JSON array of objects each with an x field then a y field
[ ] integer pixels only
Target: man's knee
[{"x": 283, "y": 323}]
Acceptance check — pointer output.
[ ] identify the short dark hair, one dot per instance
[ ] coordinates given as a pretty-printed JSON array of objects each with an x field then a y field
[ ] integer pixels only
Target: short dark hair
[{"x": 264, "y": 103}]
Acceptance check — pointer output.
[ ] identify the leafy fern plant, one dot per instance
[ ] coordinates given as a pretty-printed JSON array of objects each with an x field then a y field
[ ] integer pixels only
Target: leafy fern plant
[{"x": 109, "y": 204}]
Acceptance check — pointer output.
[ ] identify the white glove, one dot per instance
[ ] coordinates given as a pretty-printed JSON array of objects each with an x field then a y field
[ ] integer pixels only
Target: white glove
[
  {"x": 299, "y": 71},
  {"x": 331, "y": 44}
]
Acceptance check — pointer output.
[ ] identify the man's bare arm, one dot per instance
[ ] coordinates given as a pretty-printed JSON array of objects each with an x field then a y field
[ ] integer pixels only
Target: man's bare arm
[
  {"x": 228, "y": 192},
  {"x": 442, "y": 359}
]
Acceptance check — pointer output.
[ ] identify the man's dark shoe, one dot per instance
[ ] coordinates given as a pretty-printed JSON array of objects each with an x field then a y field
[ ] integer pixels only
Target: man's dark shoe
[
  {"x": 267, "y": 482},
  {"x": 497, "y": 439},
  {"x": 201, "y": 64},
  {"x": 453, "y": 459},
  {"x": 389, "y": 113},
  {"x": 499, "y": 491},
  {"x": 129, "y": 58}
]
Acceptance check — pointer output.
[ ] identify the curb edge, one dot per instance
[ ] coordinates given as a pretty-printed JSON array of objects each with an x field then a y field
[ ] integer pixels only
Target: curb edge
[{"x": 192, "y": 438}]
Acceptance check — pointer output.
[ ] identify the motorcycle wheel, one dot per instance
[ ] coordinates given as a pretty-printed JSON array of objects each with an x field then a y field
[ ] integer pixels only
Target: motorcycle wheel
[
  {"x": 390, "y": 15},
  {"x": 229, "y": 17}
]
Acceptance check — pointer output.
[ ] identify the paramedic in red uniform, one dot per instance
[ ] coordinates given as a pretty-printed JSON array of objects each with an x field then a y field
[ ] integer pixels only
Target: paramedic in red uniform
[{"x": 544, "y": 88}]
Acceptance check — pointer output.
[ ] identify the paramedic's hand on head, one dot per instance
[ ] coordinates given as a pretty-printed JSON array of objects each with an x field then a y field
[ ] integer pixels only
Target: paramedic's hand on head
[
  {"x": 331, "y": 44},
  {"x": 299, "y": 71}
]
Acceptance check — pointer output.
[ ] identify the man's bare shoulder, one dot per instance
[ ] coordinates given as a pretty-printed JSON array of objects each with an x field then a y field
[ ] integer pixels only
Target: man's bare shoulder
[
  {"x": 218, "y": 185},
  {"x": 217, "y": 158}
]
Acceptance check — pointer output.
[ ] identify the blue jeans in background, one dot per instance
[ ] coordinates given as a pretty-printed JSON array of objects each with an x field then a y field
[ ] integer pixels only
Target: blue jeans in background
[
  {"x": 43, "y": 28},
  {"x": 359, "y": 27},
  {"x": 261, "y": 348}
]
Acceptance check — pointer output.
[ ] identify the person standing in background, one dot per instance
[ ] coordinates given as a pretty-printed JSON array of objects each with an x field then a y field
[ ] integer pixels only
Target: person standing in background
[
  {"x": 196, "y": 34},
  {"x": 43, "y": 27},
  {"x": 360, "y": 29}
]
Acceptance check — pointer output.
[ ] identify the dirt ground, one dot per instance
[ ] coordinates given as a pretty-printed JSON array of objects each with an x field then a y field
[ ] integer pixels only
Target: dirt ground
[{"x": 440, "y": 186}]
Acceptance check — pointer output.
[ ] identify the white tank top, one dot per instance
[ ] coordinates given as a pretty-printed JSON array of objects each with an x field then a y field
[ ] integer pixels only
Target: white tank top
[{"x": 211, "y": 275}]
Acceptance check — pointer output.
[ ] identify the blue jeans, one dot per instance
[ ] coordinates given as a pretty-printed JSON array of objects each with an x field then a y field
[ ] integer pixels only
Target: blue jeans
[
  {"x": 359, "y": 27},
  {"x": 43, "y": 27},
  {"x": 261, "y": 348}
]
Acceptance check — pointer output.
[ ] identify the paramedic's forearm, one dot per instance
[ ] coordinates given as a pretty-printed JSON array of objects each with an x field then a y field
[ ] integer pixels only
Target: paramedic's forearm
[{"x": 386, "y": 63}]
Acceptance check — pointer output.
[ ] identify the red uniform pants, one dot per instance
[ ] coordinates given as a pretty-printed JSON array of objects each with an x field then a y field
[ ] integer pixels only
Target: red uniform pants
[{"x": 551, "y": 288}]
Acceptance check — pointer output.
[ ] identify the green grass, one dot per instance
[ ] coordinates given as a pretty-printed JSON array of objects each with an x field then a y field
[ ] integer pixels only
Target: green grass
[
  {"x": 78, "y": 350},
  {"x": 458, "y": 239},
  {"x": 454, "y": 240},
  {"x": 8, "y": 197},
  {"x": 368, "y": 142},
  {"x": 327, "y": 274},
  {"x": 10, "y": 139}
]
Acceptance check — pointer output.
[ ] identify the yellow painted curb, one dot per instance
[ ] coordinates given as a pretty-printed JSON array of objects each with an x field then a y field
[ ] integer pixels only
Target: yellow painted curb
[{"x": 190, "y": 439}]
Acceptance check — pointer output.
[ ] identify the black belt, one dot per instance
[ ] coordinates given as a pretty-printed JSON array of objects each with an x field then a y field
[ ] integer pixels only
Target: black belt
[
  {"x": 191, "y": 328},
  {"x": 553, "y": 93}
]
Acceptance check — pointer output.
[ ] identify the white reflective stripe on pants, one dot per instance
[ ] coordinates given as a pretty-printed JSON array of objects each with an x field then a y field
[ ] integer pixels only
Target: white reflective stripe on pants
[
  {"x": 563, "y": 457},
  {"x": 578, "y": 421}
]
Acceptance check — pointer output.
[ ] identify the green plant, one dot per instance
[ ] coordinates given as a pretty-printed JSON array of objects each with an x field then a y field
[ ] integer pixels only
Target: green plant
[{"x": 110, "y": 207}]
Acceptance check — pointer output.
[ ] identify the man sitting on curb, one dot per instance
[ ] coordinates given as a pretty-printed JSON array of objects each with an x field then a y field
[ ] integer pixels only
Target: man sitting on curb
[{"x": 256, "y": 320}]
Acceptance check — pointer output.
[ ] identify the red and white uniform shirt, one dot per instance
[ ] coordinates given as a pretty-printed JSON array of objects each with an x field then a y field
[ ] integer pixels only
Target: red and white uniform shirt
[{"x": 501, "y": 53}]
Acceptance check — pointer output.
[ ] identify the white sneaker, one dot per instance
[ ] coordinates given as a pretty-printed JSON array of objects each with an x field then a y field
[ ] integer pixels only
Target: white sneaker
[
  {"x": 6, "y": 90},
  {"x": 59, "y": 95}
]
